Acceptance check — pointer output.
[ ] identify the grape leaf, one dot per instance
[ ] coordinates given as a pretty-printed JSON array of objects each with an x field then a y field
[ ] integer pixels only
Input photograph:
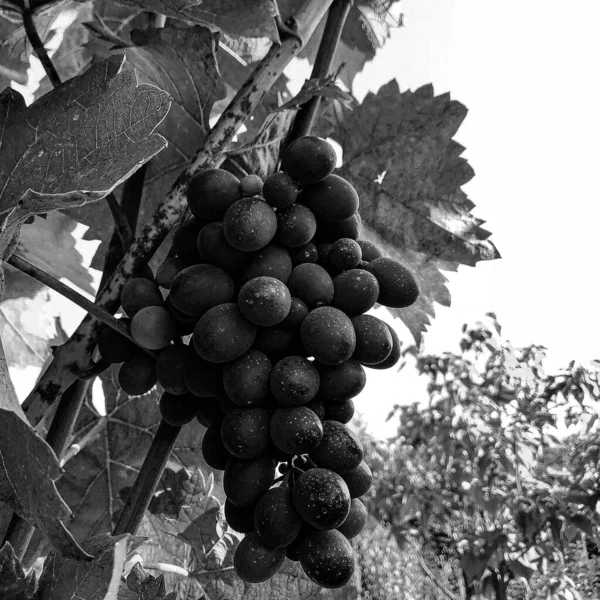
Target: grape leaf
[
  {"x": 113, "y": 449},
  {"x": 140, "y": 585},
  {"x": 14, "y": 585},
  {"x": 400, "y": 156},
  {"x": 98, "y": 579},
  {"x": 76, "y": 143}
]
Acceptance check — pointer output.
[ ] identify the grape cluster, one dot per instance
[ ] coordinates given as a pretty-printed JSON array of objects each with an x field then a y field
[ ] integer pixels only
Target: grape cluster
[{"x": 263, "y": 338}]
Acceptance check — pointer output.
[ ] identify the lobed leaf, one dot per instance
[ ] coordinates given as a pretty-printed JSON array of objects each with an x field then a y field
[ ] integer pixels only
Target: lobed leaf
[{"x": 140, "y": 585}]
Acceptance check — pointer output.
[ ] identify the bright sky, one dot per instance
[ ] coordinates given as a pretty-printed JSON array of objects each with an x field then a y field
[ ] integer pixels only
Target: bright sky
[{"x": 528, "y": 73}]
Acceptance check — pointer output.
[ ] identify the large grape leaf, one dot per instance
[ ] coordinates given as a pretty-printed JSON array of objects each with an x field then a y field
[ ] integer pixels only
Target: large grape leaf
[
  {"x": 14, "y": 584},
  {"x": 98, "y": 579},
  {"x": 140, "y": 585},
  {"x": 400, "y": 156},
  {"x": 113, "y": 449},
  {"x": 76, "y": 143}
]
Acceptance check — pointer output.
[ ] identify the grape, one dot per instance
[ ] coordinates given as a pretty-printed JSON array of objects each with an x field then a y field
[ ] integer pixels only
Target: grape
[
  {"x": 370, "y": 251},
  {"x": 296, "y": 430},
  {"x": 317, "y": 406},
  {"x": 214, "y": 248},
  {"x": 312, "y": 284},
  {"x": 395, "y": 354},
  {"x": 213, "y": 451},
  {"x": 328, "y": 335},
  {"x": 298, "y": 312},
  {"x": 294, "y": 380},
  {"x": 240, "y": 518},
  {"x": 322, "y": 498},
  {"x": 212, "y": 192},
  {"x": 223, "y": 334},
  {"x": 296, "y": 226},
  {"x": 330, "y": 232},
  {"x": 184, "y": 240},
  {"x": 276, "y": 342},
  {"x": 270, "y": 261},
  {"x": 342, "y": 412},
  {"x": 114, "y": 347},
  {"x": 280, "y": 190},
  {"x": 340, "y": 450},
  {"x": 356, "y": 520},
  {"x": 345, "y": 253},
  {"x": 327, "y": 558},
  {"x": 342, "y": 381},
  {"x": 138, "y": 293},
  {"x": 170, "y": 369},
  {"x": 398, "y": 287},
  {"x": 246, "y": 379},
  {"x": 202, "y": 378},
  {"x": 373, "y": 340},
  {"x": 264, "y": 301},
  {"x": 209, "y": 411},
  {"x": 198, "y": 288},
  {"x": 292, "y": 551},
  {"x": 167, "y": 271},
  {"x": 245, "y": 432},
  {"x": 246, "y": 480},
  {"x": 355, "y": 291},
  {"x": 359, "y": 480},
  {"x": 252, "y": 185},
  {"x": 332, "y": 200},
  {"x": 254, "y": 562},
  {"x": 249, "y": 224},
  {"x": 153, "y": 328},
  {"x": 304, "y": 254},
  {"x": 144, "y": 271},
  {"x": 276, "y": 520},
  {"x": 178, "y": 410},
  {"x": 308, "y": 159},
  {"x": 137, "y": 375},
  {"x": 323, "y": 250}
]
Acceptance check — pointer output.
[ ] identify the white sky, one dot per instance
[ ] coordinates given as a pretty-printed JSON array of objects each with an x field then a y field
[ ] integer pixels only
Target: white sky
[{"x": 528, "y": 73}]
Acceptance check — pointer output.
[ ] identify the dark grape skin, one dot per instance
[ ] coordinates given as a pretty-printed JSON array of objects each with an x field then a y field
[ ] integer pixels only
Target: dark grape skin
[
  {"x": 342, "y": 381},
  {"x": 340, "y": 450},
  {"x": 296, "y": 226},
  {"x": 265, "y": 301},
  {"x": 294, "y": 380},
  {"x": 170, "y": 369},
  {"x": 398, "y": 287},
  {"x": 209, "y": 411},
  {"x": 184, "y": 241},
  {"x": 328, "y": 335},
  {"x": 223, "y": 334},
  {"x": 114, "y": 347},
  {"x": 345, "y": 254},
  {"x": 312, "y": 284},
  {"x": 276, "y": 521},
  {"x": 317, "y": 406},
  {"x": 298, "y": 312},
  {"x": 240, "y": 518},
  {"x": 359, "y": 480},
  {"x": 330, "y": 232},
  {"x": 355, "y": 291},
  {"x": 178, "y": 410},
  {"x": 332, "y": 200},
  {"x": 246, "y": 380},
  {"x": 245, "y": 432},
  {"x": 296, "y": 430},
  {"x": 153, "y": 328},
  {"x": 137, "y": 375},
  {"x": 167, "y": 271},
  {"x": 270, "y": 261},
  {"x": 322, "y": 498},
  {"x": 214, "y": 248},
  {"x": 370, "y": 251},
  {"x": 254, "y": 562},
  {"x": 213, "y": 451},
  {"x": 138, "y": 293},
  {"x": 202, "y": 378},
  {"x": 275, "y": 342},
  {"x": 249, "y": 224},
  {"x": 395, "y": 354},
  {"x": 252, "y": 185},
  {"x": 373, "y": 339},
  {"x": 308, "y": 159},
  {"x": 304, "y": 254},
  {"x": 356, "y": 520},
  {"x": 342, "y": 412},
  {"x": 327, "y": 558},
  {"x": 246, "y": 480},
  {"x": 280, "y": 190},
  {"x": 212, "y": 192}
]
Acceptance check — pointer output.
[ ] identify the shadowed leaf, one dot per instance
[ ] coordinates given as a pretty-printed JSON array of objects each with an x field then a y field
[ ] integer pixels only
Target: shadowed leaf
[
  {"x": 140, "y": 585},
  {"x": 14, "y": 585}
]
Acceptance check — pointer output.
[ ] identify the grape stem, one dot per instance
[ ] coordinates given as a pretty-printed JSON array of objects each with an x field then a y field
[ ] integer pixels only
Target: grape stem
[
  {"x": 336, "y": 19},
  {"x": 75, "y": 355}
]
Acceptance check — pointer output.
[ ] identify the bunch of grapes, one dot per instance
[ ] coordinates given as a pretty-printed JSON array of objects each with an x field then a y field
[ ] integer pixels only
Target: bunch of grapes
[{"x": 262, "y": 336}]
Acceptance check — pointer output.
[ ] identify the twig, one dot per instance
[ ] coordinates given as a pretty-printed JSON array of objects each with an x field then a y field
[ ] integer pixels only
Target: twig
[
  {"x": 90, "y": 436},
  {"x": 75, "y": 355},
  {"x": 432, "y": 578},
  {"x": 38, "y": 45},
  {"x": 147, "y": 479},
  {"x": 166, "y": 568},
  {"x": 336, "y": 19},
  {"x": 121, "y": 224},
  {"x": 157, "y": 20},
  {"x": 58, "y": 286}
]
